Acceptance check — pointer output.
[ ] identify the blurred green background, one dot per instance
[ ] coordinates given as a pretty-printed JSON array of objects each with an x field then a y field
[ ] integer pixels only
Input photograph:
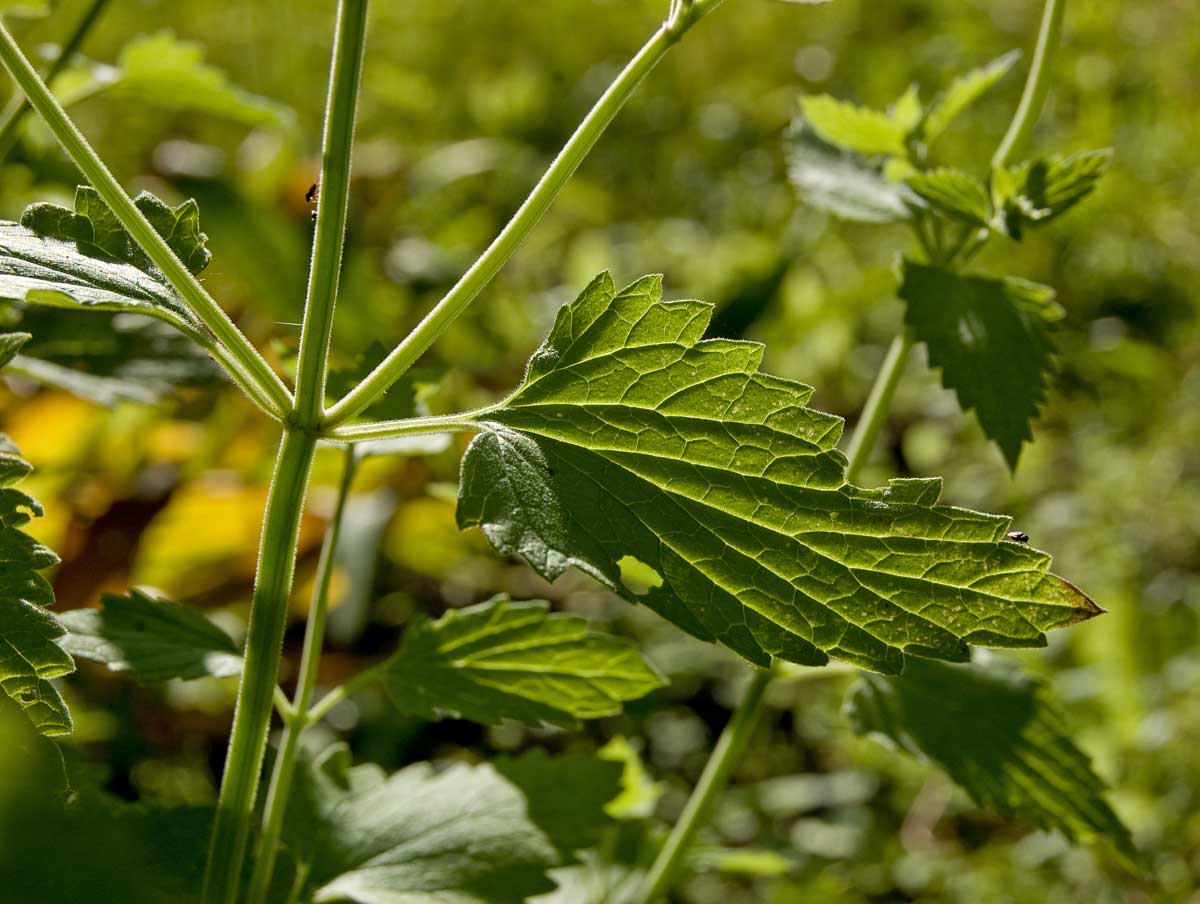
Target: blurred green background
[{"x": 464, "y": 103}]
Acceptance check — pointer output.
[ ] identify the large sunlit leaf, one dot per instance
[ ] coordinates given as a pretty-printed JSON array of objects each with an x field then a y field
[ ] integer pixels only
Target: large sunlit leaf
[
  {"x": 854, "y": 128},
  {"x": 962, "y": 93},
  {"x": 992, "y": 340},
  {"x": 997, "y": 733},
  {"x": 84, "y": 259},
  {"x": 29, "y": 657},
  {"x": 506, "y": 660},
  {"x": 631, "y": 439},
  {"x": 844, "y": 183},
  {"x": 156, "y": 640},
  {"x": 463, "y": 835}
]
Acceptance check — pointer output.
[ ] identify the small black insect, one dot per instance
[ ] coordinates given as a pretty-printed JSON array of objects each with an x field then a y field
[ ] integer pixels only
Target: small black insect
[
  {"x": 1017, "y": 536},
  {"x": 312, "y": 196}
]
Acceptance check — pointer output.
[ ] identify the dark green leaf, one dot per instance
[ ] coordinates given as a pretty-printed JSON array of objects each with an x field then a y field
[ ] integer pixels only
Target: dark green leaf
[
  {"x": 631, "y": 439},
  {"x": 1036, "y": 192},
  {"x": 505, "y": 660},
  {"x": 954, "y": 193},
  {"x": 854, "y": 128},
  {"x": 992, "y": 340},
  {"x": 843, "y": 183},
  {"x": 997, "y": 733},
  {"x": 463, "y": 835},
  {"x": 29, "y": 658},
  {"x": 156, "y": 640},
  {"x": 962, "y": 93}
]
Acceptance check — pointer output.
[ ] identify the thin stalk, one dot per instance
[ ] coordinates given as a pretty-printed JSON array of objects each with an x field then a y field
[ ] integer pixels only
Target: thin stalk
[
  {"x": 252, "y": 364},
  {"x": 714, "y": 778},
  {"x": 1037, "y": 84},
  {"x": 14, "y": 113},
  {"x": 414, "y": 426},
  {"x": 267, "y": 847},
  {"x": 879, "y": 400},
  {"x": 527, "y": 216},
  {"x": 341, "y": 106},
  {"x": 365, "y": 678},
  {"x": 260, "y": 670}
]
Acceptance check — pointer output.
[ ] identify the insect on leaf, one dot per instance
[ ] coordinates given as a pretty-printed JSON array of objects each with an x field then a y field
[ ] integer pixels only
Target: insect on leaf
[
  {"x": 506, "y": 660},
  {"x": 630, "y": 437},
  {"x": 29, "y": 657},
  {"x": 992, "y": 339},
  {"x": 156, "y": 640},
  {"x": 999, "y": 734}
]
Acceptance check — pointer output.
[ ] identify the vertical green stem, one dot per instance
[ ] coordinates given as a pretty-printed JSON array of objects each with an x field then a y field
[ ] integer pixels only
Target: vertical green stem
[
  {"x": 314, "y": 635},
  {"x": 714, "y": 778},
  {"x": 1036, "y": 85},
  {"x": 349, "y": 43},
  {"x": 15, "y": 112},
  {"x": 264, "y": 642},
  {"x": 879, "y": 401}
]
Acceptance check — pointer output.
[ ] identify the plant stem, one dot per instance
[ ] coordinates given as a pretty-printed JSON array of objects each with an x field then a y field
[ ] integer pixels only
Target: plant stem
[
  {"x": 879, "y": 400},
  {"x": 1037, "y": 84},
  {"x": 725, "y": 756},
  {"x": 341, "y": 105},
  {"x": 314, "y": 635},
  {"x": 364, "y": 678},
  {"x": 264, "y": 640},
  {"x": 14, "y": 113},
  {"x": 414, "y": 426},
  {"x": 527, "y": 216},
  {"x": 251, "y": 364}
]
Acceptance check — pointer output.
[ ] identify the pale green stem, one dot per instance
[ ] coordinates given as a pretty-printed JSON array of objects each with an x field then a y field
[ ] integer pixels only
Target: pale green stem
[
  {"x": 365, "y": 678},
  {"x": 251, "y": 365},
  {"x": 267, "y": 847},
  {"x": 350, "y": 38},
  {"x": 527, "y": 216},
  {"x": 444, "y": 423},
  {"x": 14, "y": 113},
  {"x": 879, "y": 401},
  {"x": 1037, "y": 85},
  {"x": 725, "y": 757},
  {"x": 260, "y": 670}
]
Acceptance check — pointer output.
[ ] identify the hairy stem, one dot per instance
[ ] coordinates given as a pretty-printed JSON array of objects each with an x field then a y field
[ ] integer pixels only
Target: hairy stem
[
  {"x": 14, "y": 113},
  {"x": 415, "y": 426},
  {"x": 725, "y": 757},
  {"x": 1037, "y": 84},
  {"x": 404, "y": 355},
  {"x": 260, "y": 671},
  {"x": 349, "y": 43},
  {"x": 251, "y": 365},
  {"x": 267, "y": 847}
]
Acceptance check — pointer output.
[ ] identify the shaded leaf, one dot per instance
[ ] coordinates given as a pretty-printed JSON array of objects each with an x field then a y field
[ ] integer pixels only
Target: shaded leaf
[
  {"x": 854, "y": 128},
  {"x": 631, "y": 438},
  {"x": 998, "y": 734},
  {"x": 506, "y": 660},
  {"x": 1036, "y": 192},
  {"x": 463, "y": 835},
  {"x": 955, "y": 193},
  {"x": 156, "y": 640},
  {"x": 992, "y": 340},
  {"x": 29, "y": 657},
  {"x": 843, "y": 183},
  {"x": 962, "y": 93}
]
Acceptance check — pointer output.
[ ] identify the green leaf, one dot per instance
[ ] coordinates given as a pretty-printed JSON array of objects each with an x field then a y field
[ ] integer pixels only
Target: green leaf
[
  {"x": 462, "y": 835},
  {"x": 83, "y": 259},
  {"x": 631, "y": 438},
  {"x": 29, "y": 658},
  {"x": 506, "y": 660},
  {"x": 854, "y": 128},
  {"x": 962, "y": 93},
  {"x": 1036, "y": 192},
  {"x": 906, "y": 111},
  {"x": 844, "y": 183},
  {"x": 992, "y": 340},
  {"x": 955, "y": 193},
  {"x": 29, "y": 9},
  {"x": 170, "y": 73},
  {"x": 155, "y": 639},
  {"x": 1000, "y": 736}
]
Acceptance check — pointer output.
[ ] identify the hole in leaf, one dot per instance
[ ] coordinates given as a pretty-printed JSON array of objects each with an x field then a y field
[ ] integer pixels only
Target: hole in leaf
[
  {"x": 638, "y": 577},
  {"x": 26, "y": 696}
]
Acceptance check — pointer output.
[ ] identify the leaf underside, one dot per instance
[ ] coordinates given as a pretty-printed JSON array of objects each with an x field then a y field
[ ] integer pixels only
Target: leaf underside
[
  {"x": 505, "y": 660},
  {"x": 631, "y": 437},
  {"x": 29, "y": 657},
  {"x": 155, "y": 640},
  {"x": 992, "y": 339},
  {"x": 1000, "y": 736},
  {"x": 844, "y": 183}
]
